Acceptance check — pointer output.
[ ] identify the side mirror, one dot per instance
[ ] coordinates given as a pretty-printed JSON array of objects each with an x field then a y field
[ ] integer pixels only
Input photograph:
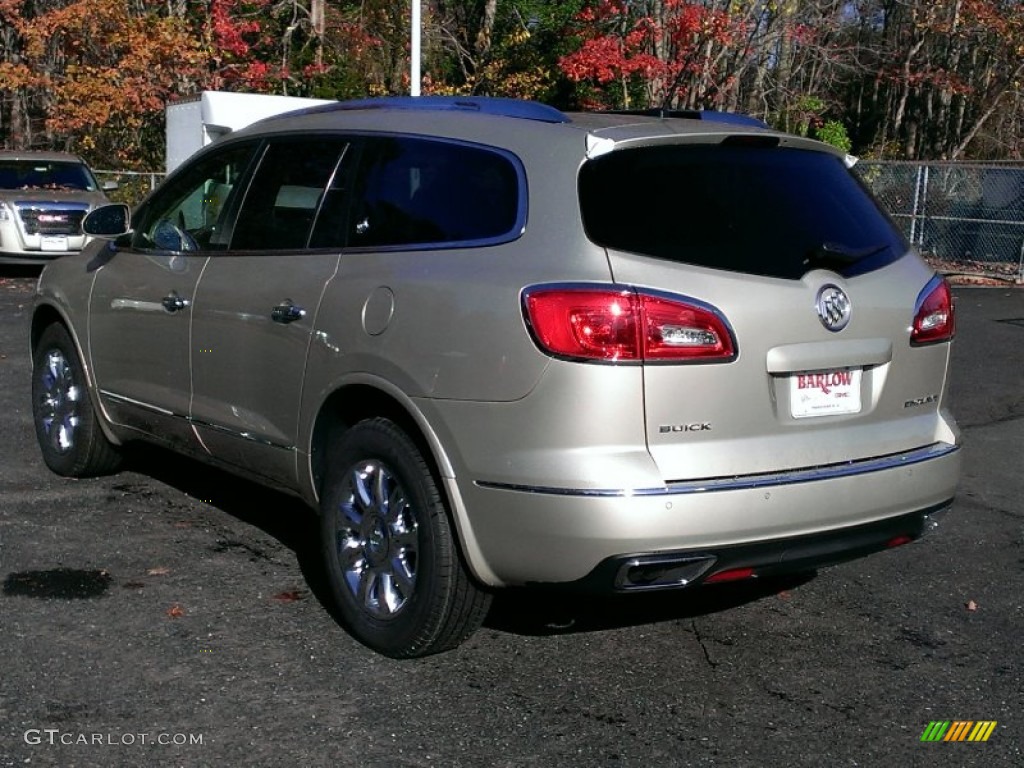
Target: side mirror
[
  {"x": 108, "y": 221},
  {"x": 109, "y": 186}
]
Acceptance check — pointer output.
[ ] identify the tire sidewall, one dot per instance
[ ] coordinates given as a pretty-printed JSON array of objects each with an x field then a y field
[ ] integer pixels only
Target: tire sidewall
[{"x": 418, "y": 620}]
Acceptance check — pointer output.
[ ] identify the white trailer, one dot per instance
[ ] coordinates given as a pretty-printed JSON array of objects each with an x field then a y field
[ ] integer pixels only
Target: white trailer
[{"x": 193, "y": 124}]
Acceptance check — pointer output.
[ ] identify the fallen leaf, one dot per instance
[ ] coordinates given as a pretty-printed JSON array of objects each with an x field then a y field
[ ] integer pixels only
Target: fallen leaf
[
  {"x": 176, "y": 611},
  {"x": 971, "y": 605},
  {"x": 289, "y": 596},
  {"x": 159, "y": 571}
]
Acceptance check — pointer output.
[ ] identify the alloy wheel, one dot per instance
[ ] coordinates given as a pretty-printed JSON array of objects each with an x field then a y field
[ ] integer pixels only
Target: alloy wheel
[{"x": 377, "y": 540}]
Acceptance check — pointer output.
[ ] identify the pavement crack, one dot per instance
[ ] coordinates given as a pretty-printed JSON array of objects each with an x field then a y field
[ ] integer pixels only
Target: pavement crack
[
  {"x": 981, "y": 503},
  {"x": 700, "y": 641},
  {"x": 1005, "y": 418}
]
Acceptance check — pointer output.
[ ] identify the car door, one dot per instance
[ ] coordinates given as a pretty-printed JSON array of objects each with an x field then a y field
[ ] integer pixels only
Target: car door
[
  {"x": 256, "y": 303},
  {"x": 141, "y": 303}
]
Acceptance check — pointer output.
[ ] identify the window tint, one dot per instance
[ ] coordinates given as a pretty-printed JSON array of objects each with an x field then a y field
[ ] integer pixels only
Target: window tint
[
  {"x": 285, "y": 195},
  {"x": 418, "y": 191},
  {"x": 187, "y": 213},
  {"x": 766, "y": 211}
]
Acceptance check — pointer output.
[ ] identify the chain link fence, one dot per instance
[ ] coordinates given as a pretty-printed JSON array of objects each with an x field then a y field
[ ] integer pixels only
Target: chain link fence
[
  {"x": 966, "y": 219},
  {"x": 132, "y": 186}
]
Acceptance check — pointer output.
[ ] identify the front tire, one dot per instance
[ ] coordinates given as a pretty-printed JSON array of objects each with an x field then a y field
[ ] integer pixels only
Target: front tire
[
  {"x": 392, "y": 562},
  {"x": 69, "y": 434}
]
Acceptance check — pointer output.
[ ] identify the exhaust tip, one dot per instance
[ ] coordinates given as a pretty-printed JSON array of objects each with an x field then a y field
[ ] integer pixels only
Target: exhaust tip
[{"x": 661, "y": 571}]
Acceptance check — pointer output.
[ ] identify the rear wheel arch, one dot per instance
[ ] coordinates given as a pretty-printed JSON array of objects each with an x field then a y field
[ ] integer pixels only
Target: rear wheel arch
[
  {"x": 345, "y": 408},
  {"x": 349, "y": 405}
]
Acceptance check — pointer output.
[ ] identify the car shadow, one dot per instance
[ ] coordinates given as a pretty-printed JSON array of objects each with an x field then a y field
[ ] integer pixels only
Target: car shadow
[
  {"x": 282, "y": 516},
  {"x": 550, "y": 611},
  {"x": 531, "y": 611}
]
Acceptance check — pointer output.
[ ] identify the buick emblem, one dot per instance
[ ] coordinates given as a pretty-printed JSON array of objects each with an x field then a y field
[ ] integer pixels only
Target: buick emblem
[{"x": 833, "y": 307}]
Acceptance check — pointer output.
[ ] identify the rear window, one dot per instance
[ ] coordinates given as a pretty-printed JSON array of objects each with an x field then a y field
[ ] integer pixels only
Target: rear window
[{"x": 765, "y": 211}]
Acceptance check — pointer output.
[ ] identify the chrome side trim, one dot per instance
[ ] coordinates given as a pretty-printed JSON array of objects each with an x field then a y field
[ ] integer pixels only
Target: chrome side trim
[
  {"x": 195, "y": 423},
  {"x": 748, "y": 482},
  {"x": 139, "y": 404},
  {"x": 248, "y": 436}
]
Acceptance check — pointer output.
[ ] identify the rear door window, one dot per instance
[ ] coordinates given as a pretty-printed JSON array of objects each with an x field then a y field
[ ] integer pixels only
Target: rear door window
[
  {"x": 413, "y": 191},
  {"x": 767, "y": 211},
  {"x": 286, "y": 193}
]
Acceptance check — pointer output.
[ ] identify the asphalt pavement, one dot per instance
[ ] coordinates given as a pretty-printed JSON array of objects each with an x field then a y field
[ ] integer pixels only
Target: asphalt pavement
[{"x": 171, "y": 615}]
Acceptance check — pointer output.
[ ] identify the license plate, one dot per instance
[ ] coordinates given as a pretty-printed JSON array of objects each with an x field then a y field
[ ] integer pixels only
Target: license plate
[
  {"x": 824, "y": 393},
  {"x": 54, "y": 243}
]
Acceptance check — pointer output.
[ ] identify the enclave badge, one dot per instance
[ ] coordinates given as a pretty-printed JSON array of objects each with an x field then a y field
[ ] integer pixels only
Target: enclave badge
[{"x": 833, "y": 307}]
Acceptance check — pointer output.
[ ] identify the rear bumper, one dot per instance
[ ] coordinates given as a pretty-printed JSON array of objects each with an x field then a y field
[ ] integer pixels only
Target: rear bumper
[
  {"x": 759, "y": 559},
  {"x": 783, "y": 521}
]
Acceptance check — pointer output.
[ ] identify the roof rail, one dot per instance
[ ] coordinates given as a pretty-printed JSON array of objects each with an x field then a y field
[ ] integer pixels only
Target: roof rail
[
  {"x": 695, "y": 114},
  {"x": 526, "y": 110}
]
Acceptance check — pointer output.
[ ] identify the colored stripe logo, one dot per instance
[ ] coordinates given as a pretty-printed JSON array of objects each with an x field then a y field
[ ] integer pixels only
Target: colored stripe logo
[{"x": 958, "y": 730}]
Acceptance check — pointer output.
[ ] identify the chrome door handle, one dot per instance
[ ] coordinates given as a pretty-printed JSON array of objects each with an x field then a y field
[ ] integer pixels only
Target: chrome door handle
[
  {"x": 287, "y": 313},
  {"x": 173, "y": 302}
]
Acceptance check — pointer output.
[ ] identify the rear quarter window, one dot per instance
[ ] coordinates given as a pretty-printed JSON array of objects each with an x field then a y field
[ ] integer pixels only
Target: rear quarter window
[
  {"x": 413, "y": 191},
  {"x": 768, "y": 211}
]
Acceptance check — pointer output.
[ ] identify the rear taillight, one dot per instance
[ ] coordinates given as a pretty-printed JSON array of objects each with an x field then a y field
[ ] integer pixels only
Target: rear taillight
[
  {"x": 934, "y": 319},
  {"x": 625, "y": 324}
]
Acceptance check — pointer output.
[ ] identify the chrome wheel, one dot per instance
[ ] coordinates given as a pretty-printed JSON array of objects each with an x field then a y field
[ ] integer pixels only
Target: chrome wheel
[
  {"x": 377, "y": 539},
  {"x": 59, "y": 402},
  {"x": 67, "y": 427}
]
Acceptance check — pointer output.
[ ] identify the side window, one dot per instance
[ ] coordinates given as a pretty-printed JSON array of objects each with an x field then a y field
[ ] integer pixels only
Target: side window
[
  {"x": 421, "y": 191},
  {"x": 187, "y": 214},
  {"x": 286, "y": 194}
]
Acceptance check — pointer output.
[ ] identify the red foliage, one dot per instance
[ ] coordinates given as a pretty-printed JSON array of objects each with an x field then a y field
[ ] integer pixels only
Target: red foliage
[
  {"x": 229, "y": 34},
  {"x": 618, "y": 44}
]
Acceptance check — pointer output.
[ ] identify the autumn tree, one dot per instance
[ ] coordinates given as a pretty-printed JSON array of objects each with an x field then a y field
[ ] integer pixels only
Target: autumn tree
[
  {"x": 945, "y": 77},
  {"x": 758, "y": 56},
  {"x": 901, "y": 78},
  {"x": 494, "y": 48}
]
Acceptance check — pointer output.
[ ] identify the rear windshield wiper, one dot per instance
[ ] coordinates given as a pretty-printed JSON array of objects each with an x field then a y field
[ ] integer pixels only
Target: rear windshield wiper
[{"x": 837, "y": 255}]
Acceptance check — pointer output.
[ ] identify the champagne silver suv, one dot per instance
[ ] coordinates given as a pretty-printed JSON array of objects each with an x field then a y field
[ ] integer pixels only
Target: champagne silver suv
[
  {"x": 495, "y": 344},
  {"x": 43, "y": 198}
]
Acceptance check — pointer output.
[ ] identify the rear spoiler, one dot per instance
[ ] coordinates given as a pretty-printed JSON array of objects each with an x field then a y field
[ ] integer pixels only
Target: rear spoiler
[{"x": 694, "y": 114}]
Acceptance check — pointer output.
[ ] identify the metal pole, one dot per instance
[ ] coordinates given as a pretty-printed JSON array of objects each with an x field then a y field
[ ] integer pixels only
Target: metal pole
[
  {"x": 913, "y": 213},
  {"x": 414, "y": 64},
  {"x": 1020, "y": 264},
  {"x": 924, "y": 208}
]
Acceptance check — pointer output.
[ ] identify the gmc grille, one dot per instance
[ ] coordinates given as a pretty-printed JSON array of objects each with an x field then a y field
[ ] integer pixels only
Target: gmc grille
[{"x": 42, "y": 219}]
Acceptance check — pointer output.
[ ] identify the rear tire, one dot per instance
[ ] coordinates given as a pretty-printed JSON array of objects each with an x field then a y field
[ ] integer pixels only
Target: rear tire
[
  {"x": 393, "y": 566},
  {"x": 69, "y": 434}
]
